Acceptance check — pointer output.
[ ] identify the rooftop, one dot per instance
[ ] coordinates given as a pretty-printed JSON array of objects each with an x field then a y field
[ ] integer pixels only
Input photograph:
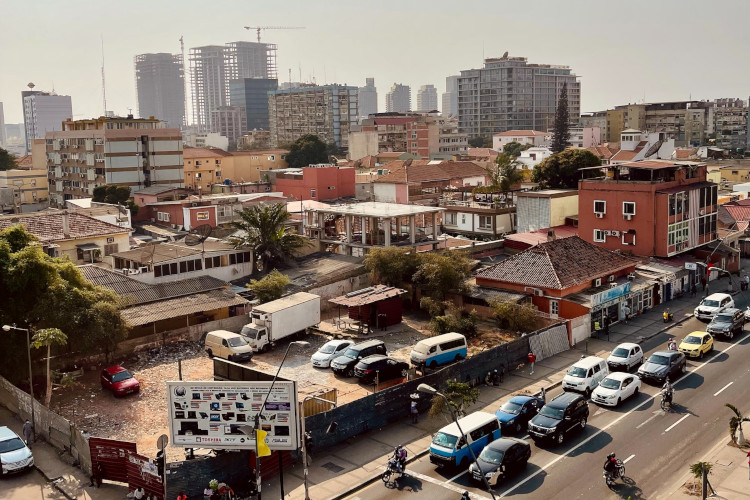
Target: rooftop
[
  {"x": 189, "y": 153},
  {"x": 48, "y": 226},
  {"x": 165, "y": 252},
  {"x": 521, "y": 133},
  {"x": 368, "y": 295},
  {"x": 378, "y": 209},
  {"x": 533, "y": 238},
  {"x": 181, "y": 306},
  {"x": 154, "y": 190},
  {"x": 423, "y": 171}
]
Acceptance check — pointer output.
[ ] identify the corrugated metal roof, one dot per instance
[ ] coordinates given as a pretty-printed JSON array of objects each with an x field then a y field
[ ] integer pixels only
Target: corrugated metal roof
[
  {"x": 182, "y": 306},
  {"x": 367, "y": 296}
]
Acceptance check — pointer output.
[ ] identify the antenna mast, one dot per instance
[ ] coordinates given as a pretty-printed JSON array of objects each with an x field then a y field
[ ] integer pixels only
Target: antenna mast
[{"x": 104, "y": 86}]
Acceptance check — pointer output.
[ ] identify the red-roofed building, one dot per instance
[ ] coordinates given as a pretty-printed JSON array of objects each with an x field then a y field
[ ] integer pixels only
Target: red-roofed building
[
  {"x": 524, "y": 241},
  {"x": 417, "y": 182},
  {"x": 532, "y": 137}
]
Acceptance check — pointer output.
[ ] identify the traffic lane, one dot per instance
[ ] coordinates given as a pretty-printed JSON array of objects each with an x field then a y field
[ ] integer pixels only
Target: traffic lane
[{"x": 30, "y": 485}]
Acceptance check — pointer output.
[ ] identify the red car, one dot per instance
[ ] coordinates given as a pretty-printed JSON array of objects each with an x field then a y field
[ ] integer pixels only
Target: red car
[{"x": 118, "y": 380}]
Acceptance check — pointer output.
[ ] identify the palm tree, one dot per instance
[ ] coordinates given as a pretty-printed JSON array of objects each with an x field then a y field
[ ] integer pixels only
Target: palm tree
[
  {"x": 265, "y": 232},
  {"x": 48, "y": 337},
  {"x": 505, "y": 173},
  {"x": 735, "y": 425}
]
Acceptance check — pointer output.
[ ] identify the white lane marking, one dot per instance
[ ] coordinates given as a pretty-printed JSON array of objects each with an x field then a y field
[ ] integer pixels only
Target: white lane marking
[
  {"x": 720, "y": 390},
  {"x": 628, "y": 459},
  {"x": 456, "y": 477},
  {"x": 675, "y": 424},
  {"x": 604, "y": 429},
  {"x": 447, "y": 486},
  {"x": 656, "y": 414}
]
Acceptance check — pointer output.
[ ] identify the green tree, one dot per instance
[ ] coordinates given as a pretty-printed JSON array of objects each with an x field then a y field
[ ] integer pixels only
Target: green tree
[
  {"x": 504, "y": 174},
  {"x": 561, "y": 130},
  {"x": 697, "y": 468},
  {"x": 266, "y": 233},
  {"x": 515, "y": 149},
  {"x": 7, "y": 160},
  {"x": 460, "y": 396},
  {"x": 512, "y": 316},
  {"x": 480, "y": 142},
  {"x": 735, "y": 425},
  {"x": 270, "y": 287},
  {"x": 307, "y": 150},
  {"x": 453, "y": 320},
  {"x": 47, "y": 337},
  {"x": 561, "y": 170},
  {"x": 332, "y": 149},
  {"x": 391, "y": 266},
  {"x": 443, "y": 272},
  {"x": 115, "y": 195}
]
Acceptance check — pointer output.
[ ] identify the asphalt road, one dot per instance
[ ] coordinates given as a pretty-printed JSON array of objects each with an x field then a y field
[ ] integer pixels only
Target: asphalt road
[
  {"x": 28, "y": 486},
  {"x": 658, "y": 447}
]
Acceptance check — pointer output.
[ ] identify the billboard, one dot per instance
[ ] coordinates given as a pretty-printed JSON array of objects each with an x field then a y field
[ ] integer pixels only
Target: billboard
[{"x": 214, "y": 414}]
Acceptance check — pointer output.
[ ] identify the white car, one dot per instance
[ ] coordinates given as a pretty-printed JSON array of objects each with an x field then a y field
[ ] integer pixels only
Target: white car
[
  {"x": 616, "y": 388},
  {"x": 712, "y": 305},
  {"x": 14, "y": 454},
  {"x": 625, "y": 356},
  {"x": 329, "y": 351}
]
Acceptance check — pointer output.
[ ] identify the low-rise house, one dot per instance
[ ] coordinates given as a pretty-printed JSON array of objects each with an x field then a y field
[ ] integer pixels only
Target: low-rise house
[
  {"x": 30, "y": 188},
  {"x": 532, "y": 137},
  {"x": 478, "y": 214},
  {"x": 545, "y": 208},
  {"x": 315, "y": 182},
  {"x": 424, "y": 183}
]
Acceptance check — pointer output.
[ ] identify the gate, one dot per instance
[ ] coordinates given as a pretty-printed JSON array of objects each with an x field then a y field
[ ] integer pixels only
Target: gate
[
  {"x": 142, "y": 471},
  {"x": 549, "y": 342},
  {"x": 121, "y": 462}
]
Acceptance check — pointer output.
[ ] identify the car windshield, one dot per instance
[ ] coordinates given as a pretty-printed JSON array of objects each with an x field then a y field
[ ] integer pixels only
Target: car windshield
[
  {"x": 352, "y": 353},
  {"x": 692, "y": 340},
  {"x": 723, "y": 318},
  {"x": 444, "y": 440},
  {"x": 120, "y": 376},
  {"x": 511, "y": 407},
  {"x": 620, "y": 352},
  {"x": 236, "y": 341},
  {"x": 492, "y": 456},
  {"x": 327, "y": 349},
  {"x": 249, "y": 332},
  {"x": 711, "y": 303},
  {"x": 555, "y": 413},
  {"x": 11, "y": 445},
  {"x": 577, "y": 371},
  {"x": 610, "y": 383},
  {"x": 421, "y": 348},
  {"x": 658, "y": 360}
]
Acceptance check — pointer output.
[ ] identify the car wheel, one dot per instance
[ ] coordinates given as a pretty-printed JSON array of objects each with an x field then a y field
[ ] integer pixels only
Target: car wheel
[
  {"x": 583, "y": 420},
  {"x": 404, "y": 373},
  {"x": 559, "y": 438},
  {"x": 618, "y": 402},
  {"x": 433, "y": 365},
  {"x": 458, "y": 357},
  {"x": 210, "y": 353},
  {"x": 684, "y": 368},
  {"x": 349, "y": 373},
  {"x": 587, "y": 393},
  {"x": 464, "y": 463},
  {"x": 730, "y": 335},
  {"x": 635, "y": 392},
  {"x": 700, "y": 355},
  {"x": 711, "y": 349}
]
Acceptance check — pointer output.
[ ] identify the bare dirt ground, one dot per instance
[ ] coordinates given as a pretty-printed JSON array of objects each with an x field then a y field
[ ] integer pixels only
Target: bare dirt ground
[{"x": 143, "y": 417}]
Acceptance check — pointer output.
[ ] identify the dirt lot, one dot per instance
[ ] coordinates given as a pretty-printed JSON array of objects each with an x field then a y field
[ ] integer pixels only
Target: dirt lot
[{"x": 143, "y": 418}]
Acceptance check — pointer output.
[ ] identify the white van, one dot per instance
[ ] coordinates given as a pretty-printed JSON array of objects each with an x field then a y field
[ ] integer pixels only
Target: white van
[
  {"x": 585, "y": 375},
  {"x": 228, "y": 345},
  {"x": 439, "y": 350}
]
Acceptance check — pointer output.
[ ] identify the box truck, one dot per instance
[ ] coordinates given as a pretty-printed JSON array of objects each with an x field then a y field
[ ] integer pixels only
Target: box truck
[{"x": 278, "y": 319}]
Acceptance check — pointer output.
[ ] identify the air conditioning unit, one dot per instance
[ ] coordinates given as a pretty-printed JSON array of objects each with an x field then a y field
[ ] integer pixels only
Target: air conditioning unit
[
  {"x": 135, "y": 271},
  {"x": 611, "y": 278},
  {"x": 607, "y": 232},
  {"x": 599, "y": 215},
  {"x": 538, "y": 292},
  {"x": 598, "y": 282},
  {"x": 615, "y": 233},
  {"x": 143, "y": 269},
  {"x": 628, "y": 217},
  {"x": 631, "y": 276},
  {"x": 613, "y": 285},
  {"x": 110, "y": 240}
]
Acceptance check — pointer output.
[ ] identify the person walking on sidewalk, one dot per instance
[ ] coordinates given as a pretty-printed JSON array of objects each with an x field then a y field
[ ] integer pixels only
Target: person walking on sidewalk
[
  {"x": 693, "y": 290},
  {"x": 531, "y": 357},
  {"x": 27, "y": 433},
  {"x": 626, "y": 312},
  {"x": 703, "y": 283},
  {"x": 414, "y": 413},
  {"x": 96, "y": 475}
]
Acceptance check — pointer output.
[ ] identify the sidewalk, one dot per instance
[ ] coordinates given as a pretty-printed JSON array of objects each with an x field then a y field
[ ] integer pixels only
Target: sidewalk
[
  {"x": 339, "y": 470},
  {"x": 69, "y": 480}
]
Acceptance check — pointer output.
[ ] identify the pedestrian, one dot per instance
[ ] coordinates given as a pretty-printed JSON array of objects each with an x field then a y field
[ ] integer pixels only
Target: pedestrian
[
  {"x": 414, "y": 412},
  {"x": 703, "y": 283},
  {"x": 207, "y": 492},
  {"x": 544, "y": 395},
  {"x": 693, "y": 290},
  {"x": 97, "y": 472},
  {"x": 27, "y": 432},
  {"x": 139, "y": 493},
  {"x": 606, "y": 325},
  {"x": 626, "y": 312},
  {"x": 531, "y": 357}
]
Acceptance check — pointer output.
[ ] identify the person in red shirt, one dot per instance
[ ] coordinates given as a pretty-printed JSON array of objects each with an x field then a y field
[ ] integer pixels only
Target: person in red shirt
[{"x": 531, "y": 357}]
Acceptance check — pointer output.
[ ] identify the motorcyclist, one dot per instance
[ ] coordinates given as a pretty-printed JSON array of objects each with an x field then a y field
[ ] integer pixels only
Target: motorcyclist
[
  {"x": 610, "y": 466},
  {"x": 400, "y": 454},
  {"x": 672, "y": 345},
  {"x": 465, "y": 496},
  {"x": 668, "y": 391}
]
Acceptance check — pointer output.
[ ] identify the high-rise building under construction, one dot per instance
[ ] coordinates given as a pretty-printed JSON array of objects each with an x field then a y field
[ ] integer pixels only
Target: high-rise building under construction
[{"x": 160, "y": 87}]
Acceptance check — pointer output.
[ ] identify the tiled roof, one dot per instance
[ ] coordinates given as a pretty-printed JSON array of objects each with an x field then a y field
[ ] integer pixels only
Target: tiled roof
[
  {"x": 685, "y": 154},
  {"x": 190, "y": 153},
  {"x": 624, "y": 155},
  {"x": 48, "y": 226},
  {"x": 421, "y": 171},
  {"x": 728, "y": 214},
  {"x": 181, "y": 306},
  {"x": 391, "y": 154},
  {"x": 603, "y": 152},
  {"x": 557, "y": 265},
  {"x": 257, "y": 152},
  {"x": 532, "y": 238},
  {"x": 521, "y": 133},
  {"x": 481, "y": 152}
]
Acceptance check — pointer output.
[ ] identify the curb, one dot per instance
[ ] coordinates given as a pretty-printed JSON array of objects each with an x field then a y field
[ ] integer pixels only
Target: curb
[
  {"x": 54, "y": 483},
  {"x": 664, "y": 329}
]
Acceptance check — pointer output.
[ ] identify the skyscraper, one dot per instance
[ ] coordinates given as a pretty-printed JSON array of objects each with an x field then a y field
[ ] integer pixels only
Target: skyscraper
[
  {"x": 44, "y": 112},
  {"x": 398, "y": 99},
  {"x": 252, "y": 94},
  {"x": 3, "y": 139},
  {"x": 160, "y": 87},
  {"x": 427, "y": 98},
  {"x": 511, "y": 94},
  {"x": 368, "y": 98},
  {"x": 450, "y": 96}
]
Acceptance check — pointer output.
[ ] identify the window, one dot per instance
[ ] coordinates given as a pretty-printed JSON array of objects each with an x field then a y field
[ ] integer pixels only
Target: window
[
  {"x": 201, "y": 216},
  {"x": 450, "y": 218},
  {"x": 485, "y": 222},
  {"x": 271, "y": 158},
  {"x": 188, "y": 266},
  {"x": 628, "y": 238},
  {"x": 218, "y": 173},
  {"x": 111, "y": 248},
  {"x": 312, "y": 193},
  {"x": 599, "y": 236},
  {"x": 554, "y": 307},
  {"x": 600, "y": 206},
  {"x": 162, "y": 216},
  {"x": 628, "y": 208},
  {"x": 212, "y": 262},
  {"x": 239, "y": 258}
]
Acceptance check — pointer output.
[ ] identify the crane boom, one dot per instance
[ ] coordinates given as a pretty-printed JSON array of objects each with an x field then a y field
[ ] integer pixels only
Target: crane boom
[{"x": 259, "y": 28}]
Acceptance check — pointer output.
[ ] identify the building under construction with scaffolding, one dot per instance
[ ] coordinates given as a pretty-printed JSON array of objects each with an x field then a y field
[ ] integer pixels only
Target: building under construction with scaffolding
[
  {"x": 213, "y": 67},
  {"x": 160, "y": 87}
]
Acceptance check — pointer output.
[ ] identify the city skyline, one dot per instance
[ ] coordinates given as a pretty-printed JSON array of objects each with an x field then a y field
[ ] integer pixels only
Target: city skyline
[{"x": 592, "y": 49}]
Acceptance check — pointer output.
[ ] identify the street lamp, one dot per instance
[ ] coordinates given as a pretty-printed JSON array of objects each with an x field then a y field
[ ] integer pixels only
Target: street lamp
[
  {"x": 8, "y": 328},
  {"x": 301, "y": 343},
  {"x": 428, "y": 389},
  {"x": 304, "y": 440}
]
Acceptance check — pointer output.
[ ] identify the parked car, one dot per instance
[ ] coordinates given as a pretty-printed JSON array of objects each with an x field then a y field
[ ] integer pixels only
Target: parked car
[
  {"x": 696, "y": 344},
  {"x": 565, "y": 413},
  {"x": 729, "y": 322},
  {"x": 663, "y": 364},
  {"x": 380, "y": 366},
  {"x": 330, "y": 351},
  {"x": 15, "y": 456},
  {"x": 712, "y": 305},
  {"x": 514, "y": 414},
  {"x": 616, "y": 388},
  {"x": 439, "y": 350},
  {"x": 625, "y": 356},
  {"x": 501, "y": 459},
  {"x": 228, "y": 345},
  {"x": 585, "y": 375},
  {"x": 119, "y": 380},
  {"x": 344, "y": 364}
]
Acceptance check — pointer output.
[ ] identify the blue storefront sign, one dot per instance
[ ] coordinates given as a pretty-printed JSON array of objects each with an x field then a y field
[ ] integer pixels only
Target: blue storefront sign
[{"x": 610, "y": 294}]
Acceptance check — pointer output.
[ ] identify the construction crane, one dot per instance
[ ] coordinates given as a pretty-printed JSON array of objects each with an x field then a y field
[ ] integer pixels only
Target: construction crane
[{"x": 258, "y": 28}]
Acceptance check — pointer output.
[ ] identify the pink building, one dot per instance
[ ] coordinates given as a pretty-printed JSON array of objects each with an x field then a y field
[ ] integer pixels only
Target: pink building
[{"x": 316, "y": 183}]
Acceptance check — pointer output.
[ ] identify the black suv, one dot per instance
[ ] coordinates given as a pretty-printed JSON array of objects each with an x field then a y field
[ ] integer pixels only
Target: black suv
[
  {"x": 566, "y": 412},
  {"x": 380, "y": 366},
  {"x": 728, "y": 323},
  {"x": 663, "y": 364},
  {"x": 344, "y": 364}
]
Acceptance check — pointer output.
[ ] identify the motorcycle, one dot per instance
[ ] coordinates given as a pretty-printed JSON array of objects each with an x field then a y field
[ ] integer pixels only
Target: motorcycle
[
  {"x": 619, "y": 472},
  {"x": 667, "y": 316},
  {"x": 391, "y": 469},
  {"x": 666, "y": 401},
  {"x": 493, "y": 378}
]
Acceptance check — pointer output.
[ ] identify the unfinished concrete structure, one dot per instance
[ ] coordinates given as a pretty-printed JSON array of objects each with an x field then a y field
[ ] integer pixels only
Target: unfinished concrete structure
[{"x": 160, "y": 87}]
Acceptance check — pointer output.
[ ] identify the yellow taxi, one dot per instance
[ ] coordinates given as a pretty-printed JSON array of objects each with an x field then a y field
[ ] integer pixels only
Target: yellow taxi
[{"x": 696, "y": 344}]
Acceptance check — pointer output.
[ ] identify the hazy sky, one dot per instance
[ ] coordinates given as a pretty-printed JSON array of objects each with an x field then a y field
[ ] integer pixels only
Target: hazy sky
[{"x": 622, "y": 50}]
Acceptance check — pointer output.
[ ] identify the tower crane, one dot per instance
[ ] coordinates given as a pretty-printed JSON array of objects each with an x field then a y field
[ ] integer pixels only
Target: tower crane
[{"x": 258, "y": 28}]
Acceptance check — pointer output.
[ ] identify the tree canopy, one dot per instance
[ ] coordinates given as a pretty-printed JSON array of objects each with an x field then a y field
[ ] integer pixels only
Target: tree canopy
[
  {"x": 515, "y": 148},
  {"x": 116, "y": 195},
  {"x": 307, "y": 150},
  {"x": 266, "y": 233},
  {"x": 443, "y": 272},
  {"x": 504, "y": 174},
  {"x": 391, "y": 266},
  {"x": 561, "y": 130},
  {"x": 480, "y": 142},
  {"x": 270, "y": 287},
  {"x": 561, "y": 170},
  {"x": 7, "y": 160}
]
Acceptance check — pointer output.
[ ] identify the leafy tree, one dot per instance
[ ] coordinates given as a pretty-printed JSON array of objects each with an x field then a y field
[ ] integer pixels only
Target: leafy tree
[
  {"x": 561, "y": 131},
  {"x": 512, "y": 316},
  {"x": 697, "y": 468},
  {"x": 460, "y": 396},
  {"x": 515, "y": 148},
  {"x": 439, "y": 273},
  {"x": 115, "y": 195},
  {"x": 391, "y": 266},
  {"x": 735, "y": 425},
  {"x": 270, "y": 287},
  {"x": 332, "y": 149},
  {"x": 266, "y": 233},
  {"x": 454, "y": 321},
  {"x": 480, "y": 142},
  {"x": 7, "y": 160},
  {"x": 307, "y": 150},
  {"x": 47, "y": 337},
  {"x": 561, "y": 170},
  {"x": 504, "y": 174}
]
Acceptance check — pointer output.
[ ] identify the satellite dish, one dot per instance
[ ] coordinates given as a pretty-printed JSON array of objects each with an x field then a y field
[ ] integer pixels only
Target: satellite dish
[{"x": 198, "y": 235}]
